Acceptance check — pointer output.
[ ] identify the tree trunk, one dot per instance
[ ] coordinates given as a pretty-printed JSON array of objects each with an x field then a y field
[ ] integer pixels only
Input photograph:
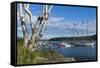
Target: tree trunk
[
  {"x": 25, "y": 34},
  {"x": 24, "y": 29},
  {"x": 36, "y": 33}
]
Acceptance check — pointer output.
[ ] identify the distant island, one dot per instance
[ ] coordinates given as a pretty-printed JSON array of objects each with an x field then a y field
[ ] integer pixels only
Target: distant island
[{"x": 92, "y": 37}]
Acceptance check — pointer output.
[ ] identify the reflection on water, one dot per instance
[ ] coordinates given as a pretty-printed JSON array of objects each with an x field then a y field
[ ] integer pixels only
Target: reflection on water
[{"x": 79, "y": 53}]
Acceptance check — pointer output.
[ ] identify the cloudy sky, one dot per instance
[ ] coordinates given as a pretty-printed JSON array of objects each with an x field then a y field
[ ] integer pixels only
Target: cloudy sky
[{"x": 64, "y": 21}]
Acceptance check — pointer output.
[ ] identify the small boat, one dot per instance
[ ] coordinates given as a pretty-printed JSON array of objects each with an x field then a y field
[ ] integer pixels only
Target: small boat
[
  {"x": 65, "y": 45},
  {"x": 92, "y": 44}
]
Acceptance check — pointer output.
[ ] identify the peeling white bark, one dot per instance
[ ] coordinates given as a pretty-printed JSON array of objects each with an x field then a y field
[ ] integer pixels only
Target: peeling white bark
[
  {"x": 46, "y": 11},
  {"x": 24, "y": 29},
  {"x": 41, "y": 21},
  {"x": 26, "y": 7}
]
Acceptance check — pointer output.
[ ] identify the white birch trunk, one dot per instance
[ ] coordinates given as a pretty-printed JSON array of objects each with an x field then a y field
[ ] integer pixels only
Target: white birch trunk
[
  {"x": 41, "y": 21},
  {"x": 24, "y": 29}
]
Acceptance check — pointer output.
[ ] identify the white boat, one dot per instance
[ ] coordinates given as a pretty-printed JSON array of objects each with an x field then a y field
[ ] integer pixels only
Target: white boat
[
  {"x": 92, "y": 44},
  {"x": 66, "y": 44}
]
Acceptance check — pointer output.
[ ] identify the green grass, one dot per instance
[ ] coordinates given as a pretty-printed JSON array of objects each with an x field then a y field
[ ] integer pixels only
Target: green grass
[{"x": 27, "y": 56}]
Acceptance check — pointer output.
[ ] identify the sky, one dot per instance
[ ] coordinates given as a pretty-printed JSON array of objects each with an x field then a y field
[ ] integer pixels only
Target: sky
[{"x": 63, "y": 21}]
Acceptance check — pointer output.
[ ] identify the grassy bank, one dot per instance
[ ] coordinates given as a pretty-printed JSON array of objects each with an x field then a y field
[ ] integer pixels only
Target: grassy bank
[{"x": 27, "y": 56}]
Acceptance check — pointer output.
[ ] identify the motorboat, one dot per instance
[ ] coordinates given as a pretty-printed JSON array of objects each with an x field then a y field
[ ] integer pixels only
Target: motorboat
[{"x": 65, "y": 45}]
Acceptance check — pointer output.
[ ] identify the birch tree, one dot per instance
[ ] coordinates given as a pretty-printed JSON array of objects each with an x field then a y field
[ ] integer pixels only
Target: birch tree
[
  {"x": 37, "y": 29},
  {"x": 23, "y": 25}
]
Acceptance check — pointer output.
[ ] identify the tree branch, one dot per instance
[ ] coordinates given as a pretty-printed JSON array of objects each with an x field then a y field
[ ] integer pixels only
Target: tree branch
[
  {"x": 26, "y": 7},
  {"x": 46, "y": 11}
]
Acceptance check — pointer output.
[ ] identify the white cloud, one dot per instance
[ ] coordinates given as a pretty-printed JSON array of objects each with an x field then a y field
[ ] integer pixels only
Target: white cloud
[
  {"x": 56, "y": 24},
  {"x": 60, "y": 25}
]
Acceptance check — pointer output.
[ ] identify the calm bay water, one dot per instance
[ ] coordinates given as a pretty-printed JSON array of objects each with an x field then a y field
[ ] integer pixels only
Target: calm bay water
[{"x": 79, "y": 53}]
